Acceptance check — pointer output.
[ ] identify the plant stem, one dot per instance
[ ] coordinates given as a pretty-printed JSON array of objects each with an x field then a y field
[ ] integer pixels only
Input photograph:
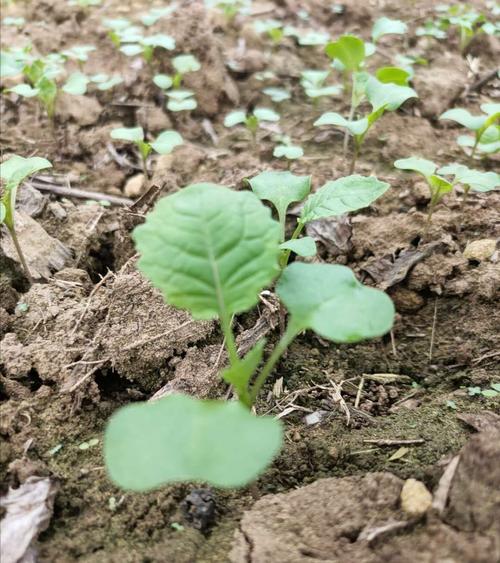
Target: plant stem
[
  {"x": 464, "y": 199},
  {"x": 355, "y": 155},
  {"x": 145, "y": 166},
  {"x": 351, "y": 116},
  {"x": 19, "y": 251},
  {"x": 229, "y": 339},
  {"x": 473, "y": 152},
  {"x": 429, "y": 218},
  {"x": 290, "y": 333},
  {"x": 286, "y": 254}
]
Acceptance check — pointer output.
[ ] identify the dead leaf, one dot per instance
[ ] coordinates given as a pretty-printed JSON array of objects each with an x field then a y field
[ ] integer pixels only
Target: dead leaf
[
  {"x": 333, "y": 232},
  {"x": 481, "y": 421},
  {"x": 389, "y": 270},
  {"x": 29, "y": 509},
  {"x": 398, "y": 454}
]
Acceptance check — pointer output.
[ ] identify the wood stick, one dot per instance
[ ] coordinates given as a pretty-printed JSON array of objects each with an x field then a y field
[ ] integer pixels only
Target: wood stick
[
  {"x": 79, "y": 193},
  {"x": 388, "y": 442}
]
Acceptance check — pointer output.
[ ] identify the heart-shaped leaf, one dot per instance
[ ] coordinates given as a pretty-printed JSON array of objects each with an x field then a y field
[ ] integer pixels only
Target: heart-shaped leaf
[
  {"x": 209, "y": 249},
  {"x": 281, "y": 189},
  {"x": 305, "y": 246},
  {"x": 328, "y": 299},
  {"x": 179, "y": 438},
  {"x": 166, "y": 142},
  {"x": 388, "y": 96},
  {"x": 356, "y": 127},
  {"x": 342, "y": 196},
  {"x": 349, "y": 50}
]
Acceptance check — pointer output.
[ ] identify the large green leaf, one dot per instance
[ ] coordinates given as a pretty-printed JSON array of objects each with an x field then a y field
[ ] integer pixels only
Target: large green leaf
[
  {"x": 465, "y": 118},
  {"x": 179, "y": 438},
  {"x": 385, "y": 26},
  {"x": 280, "y": 188},
  {"x": 416, "y": 164},
  {"x": 15, "y": 169},
  {"x": 330, "y": 300},
  {"x": 209, "y": 249},
  {"x": 342, "y": 196},
  {"x": 387, "y": 95},
  {"x": 167, "y": 141},
  {"x": 349, "y": 50}
]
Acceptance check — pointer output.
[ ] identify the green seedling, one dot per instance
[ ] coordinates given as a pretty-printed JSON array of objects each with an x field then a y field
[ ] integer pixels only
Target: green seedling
[
  {"x": 84, "y": 3},
  {"x": 272, "y": 28},
  {"x": 12, "y": 61},
  {"x": 387, "y": 26},
  {"x": 210, "y": 251},
  {"x": 41, "y": 85},
  {"x": 14, "y": 22},
  {"x": 491, "y": 393},
  {"x": 287, "y": 150},
  {"x": 252, "y": 120},
  {"x": 309, "y": 38},
  {"x": 471, "y": 179},
  {"x": 230, "y": 8},
  {"x": 183, "y": 64},
  {"x": 164, "y": 143},
  {"x": 79, "y": 53},
  {"x": 313, "y": 82},
  {"x": 181, "y": 100},
  {"x": 77, "y": 83},
  {"x": 155, "y": 14},
  {"x": 277, "y": 95},
  {"x": 382, "y": 97},
  {"x": 145, "y": 46},
  {"x": 13, "y": 172},
  {"x": 438, "y": 186},
  {"x": 486, "y": 128}
]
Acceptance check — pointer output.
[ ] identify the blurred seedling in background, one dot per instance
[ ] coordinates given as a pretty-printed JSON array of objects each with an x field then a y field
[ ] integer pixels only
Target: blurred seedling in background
[
  {"x": 230, "y": 8},
  {"x": 438, "y": 186},
  {"x": 152, "y": 16},
  {"x": 286, "y": 149},
  {"x": 13, "y": 172},
  {"x": 314, "y": 84},
  {"x": 164, "y": 143},
  {"x": 277, "y": 95},
  {"x": 382, "y": 97},
  {"x": 77, "y": 83},
  {"x": 178, "y": 100},
  {"x": 272, "y": 28},
  {"x": 388, "y": 26},
  {"x": 471, "y": 180},
  {"x": 78, "y": 53},
  {"x": 182, "y": 65},
  {"x": 251, "y": 120},
  {"x": 84, "y": 3},
  {"x": 490, "y": 393},
  {"x": 14, "y": 22},
  {"x": 486, "y": 128},
  {"x": 211, "y": 251}
]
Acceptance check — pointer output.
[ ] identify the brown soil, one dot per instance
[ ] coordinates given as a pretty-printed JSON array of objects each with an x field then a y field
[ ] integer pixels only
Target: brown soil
[{"x": 92, "y": 335}]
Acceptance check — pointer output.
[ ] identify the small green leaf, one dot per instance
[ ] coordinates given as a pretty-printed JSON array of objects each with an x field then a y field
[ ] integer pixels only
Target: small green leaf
[
  {"x": 277, "y": 95},
  {"x": 476, "y": 180},
  {"x": 132, "y": 134},
  {"x": 186, "y": 63},
  {"x": 415, "y": 164},
  {"x": 111, "y": 83},
  {"x": 491, "y": 109},
  {"x": 235, "y": 118},
  {"x": 324, "y": 91},
  {"x": 330, "y": 300},
  {"x": 265, "y": 114},
  {"x": 131, "y": 50},
  {"x": 465, "y": 118},
  {"x": 393, "y": 74},
  {"x": 386, "y": 26},
  {"x": 349, "y": 50},
  {"x": 160, "y": 40},
  {"x": 209, "y": 249},
  {"x": 313, "y": 38},
  {"x": 280, "y": 188},
  {"x": 291, "y": 152},
  {"x": 186, "y": 104},
  {"x": 239, "y": 374},
  {"x": 496, "y": 387},
  {"x": 167, "y": 141},
  {"x": 474, "y": 391},
  {"x": 387, "y": 95},
  {"x": 16, "y": 168},
  {"x": 313, "y": 78},
  {"x": 489, "y": 393},
  {"x": 342, "y": 196},
  {"x": 24, "y": 90},
  {"x": 163, "y": 81},
  {"x": 76, "y": 84},
  {"x": 305, "y": 246},
  {"x": 357, "y": 127},
  {"x": 179, "y": 438},
  {"x": 439, "y": 187}
]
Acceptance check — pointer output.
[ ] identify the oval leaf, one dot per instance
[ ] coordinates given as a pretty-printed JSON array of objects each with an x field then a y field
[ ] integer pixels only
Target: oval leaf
[
  {"x": 342, "y": 196},
  {"x": 15, "y": 169},
  {"x": 328, "y": 299},
  {"x": 186, "y": 63},
  {"x": 209, "y": 249},
  {"x": 265, "y": 114},
  {"x": 179, "y": 438},
  {"x": 349, "y": 50},
  {"x": 305, "y": 246},
  {"x": 166, "y": 142},
  {"x": 385, "y": 26},
  {"x": 416, "y": 164},
  {"x": 291, "y": 152},
  {"x": 387, "y": 95},
  {"x": 76, "y": 84},
  {"x": 163, "y": 81},
  {"x": 465, "y": 118},
  {"x": 132, "y": 134},
  {"x": 235, "y": 118}
]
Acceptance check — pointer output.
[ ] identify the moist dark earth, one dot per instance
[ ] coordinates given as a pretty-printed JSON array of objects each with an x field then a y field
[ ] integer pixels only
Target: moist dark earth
[{"x": 92, "y": 335}]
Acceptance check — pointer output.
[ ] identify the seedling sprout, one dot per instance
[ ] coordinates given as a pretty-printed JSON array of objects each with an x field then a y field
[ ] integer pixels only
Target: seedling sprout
[{"x": 251, "y": 120}]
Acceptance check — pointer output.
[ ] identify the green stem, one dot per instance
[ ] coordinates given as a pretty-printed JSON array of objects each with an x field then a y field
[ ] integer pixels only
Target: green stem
[
  {"x": 19, "y": 251},
  {"x": 229, "y": 340},
  {"x": 286, "y": 254},
  {"x": 285, "y": 341},
  {"x": 355, "y": 155},
  {"x": 351, "y": 115},
  {"x": 429, "y": 218},
  {"x": 473, "y": 152}
]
